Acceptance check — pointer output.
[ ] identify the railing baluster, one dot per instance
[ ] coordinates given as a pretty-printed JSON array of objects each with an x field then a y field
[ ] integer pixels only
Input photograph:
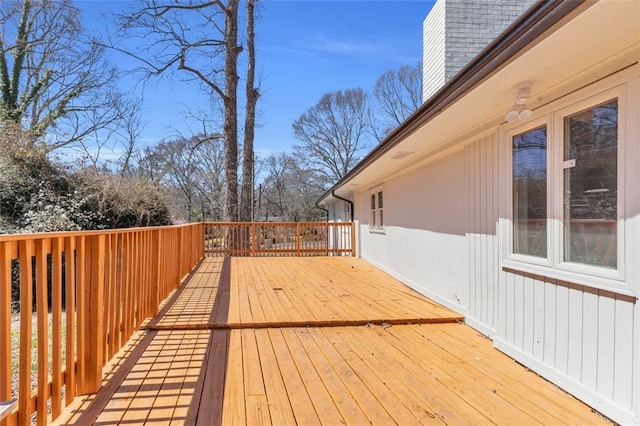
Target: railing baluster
[
  {"x": 43, "y": 335},
  {"x": 70, "y": 312},
  {"x": 26, "y": 329},
  {"x": 56, "y": 318},
  {"x": 5, "y": 323}
]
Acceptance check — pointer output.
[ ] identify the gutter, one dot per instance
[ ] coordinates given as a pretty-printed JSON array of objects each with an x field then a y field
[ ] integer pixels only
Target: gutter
[
  {"x": 333, "y": 192},
  {"x": 531, "y": 25}
]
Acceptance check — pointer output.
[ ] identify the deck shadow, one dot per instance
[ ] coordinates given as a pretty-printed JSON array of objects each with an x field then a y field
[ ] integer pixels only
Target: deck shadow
[
  {"x": 206, "y": 405},
  {"x": 148, "y": 391}
]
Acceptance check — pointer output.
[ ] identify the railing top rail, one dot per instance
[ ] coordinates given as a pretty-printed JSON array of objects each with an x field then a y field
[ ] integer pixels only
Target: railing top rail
[
  {"x": 43, "y": 235},
  {"x": 47, "y": 235},
  {"x": 278, "y": 223}
]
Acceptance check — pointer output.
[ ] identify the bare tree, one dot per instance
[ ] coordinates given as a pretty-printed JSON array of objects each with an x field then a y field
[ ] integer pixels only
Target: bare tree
[
  {"x": 251, "y": 94},
  {"x": 398, "y": 94},
  {"x": 200, "y": 39},
  {"x": 54, "y": 79},
  {"x": 334, "y": 133},
  {"x": 289, "y": 190},
  {"x": 191, "y": 170}
]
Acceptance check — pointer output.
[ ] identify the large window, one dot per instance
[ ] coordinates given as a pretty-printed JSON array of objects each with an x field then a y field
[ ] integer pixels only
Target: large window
[
  {"x": 565, "y": 188},
  {"x": 590, "y": 213}
]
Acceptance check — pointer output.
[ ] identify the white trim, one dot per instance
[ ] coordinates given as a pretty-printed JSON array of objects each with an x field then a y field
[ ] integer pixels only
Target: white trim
[
  {"x": 460, "y": 309},
  {"x": 480, "y": 327},
  {"x": 571, "y": 386},
  {"x": 377, "y": 212},
  {"x": 619, "y": 93}
]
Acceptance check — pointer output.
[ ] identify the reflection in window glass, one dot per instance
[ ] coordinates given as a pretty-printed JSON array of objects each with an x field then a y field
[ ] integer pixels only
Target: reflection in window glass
[
  {"x": 530, "y": 192},
  {"x": 590, "y": 186}
]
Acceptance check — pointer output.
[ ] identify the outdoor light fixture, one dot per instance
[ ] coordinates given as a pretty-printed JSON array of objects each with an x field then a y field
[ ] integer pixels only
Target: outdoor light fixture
[{"x": 521, "y": 94}]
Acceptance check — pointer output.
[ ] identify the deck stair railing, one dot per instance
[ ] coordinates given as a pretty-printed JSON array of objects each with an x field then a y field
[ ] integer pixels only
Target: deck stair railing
[{"x": 70, "y": 301}]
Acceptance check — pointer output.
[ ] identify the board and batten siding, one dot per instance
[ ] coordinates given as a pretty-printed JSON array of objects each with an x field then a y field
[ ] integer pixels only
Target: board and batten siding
[
  {"x": 444, "y": 240},
  {"x": 482, "y": 235},
  {"x": 581, "y": 338}
]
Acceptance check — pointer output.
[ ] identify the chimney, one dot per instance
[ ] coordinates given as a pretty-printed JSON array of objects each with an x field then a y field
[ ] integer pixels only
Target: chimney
[{"x": 455, "y": 31}]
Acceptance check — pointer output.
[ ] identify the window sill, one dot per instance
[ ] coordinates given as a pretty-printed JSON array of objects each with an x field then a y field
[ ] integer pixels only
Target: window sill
[
  {"x": 377, "y": 231},
  {"x": 590, "y": 281}
]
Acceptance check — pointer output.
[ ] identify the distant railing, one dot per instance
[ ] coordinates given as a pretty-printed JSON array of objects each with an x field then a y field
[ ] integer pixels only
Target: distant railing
[
  {"x": 90, "y": 292},
  {"x": 280, "y": 239}
]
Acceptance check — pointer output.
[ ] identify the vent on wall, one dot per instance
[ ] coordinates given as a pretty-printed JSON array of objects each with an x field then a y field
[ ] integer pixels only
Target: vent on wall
[{"x": 401, "y": 154}]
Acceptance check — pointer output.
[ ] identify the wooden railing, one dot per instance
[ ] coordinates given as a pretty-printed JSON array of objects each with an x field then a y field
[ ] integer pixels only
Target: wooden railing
[
  {"x": 84, "y": 294},
  {"x": 70, "y": 301},
  {"x": 280, "y": 239}
]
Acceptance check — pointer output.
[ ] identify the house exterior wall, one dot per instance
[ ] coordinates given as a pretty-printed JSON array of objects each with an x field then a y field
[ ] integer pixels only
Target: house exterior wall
[
  {"x": 420, "y": 235},
  {"x": 448, "y": 238},
  {"x": 455, "y": 31}
]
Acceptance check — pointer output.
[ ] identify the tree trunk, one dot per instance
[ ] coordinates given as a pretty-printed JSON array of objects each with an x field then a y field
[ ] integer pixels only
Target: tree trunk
[
  {"x": 231, "y": 112},
  {"x": 252, "y": 94}
]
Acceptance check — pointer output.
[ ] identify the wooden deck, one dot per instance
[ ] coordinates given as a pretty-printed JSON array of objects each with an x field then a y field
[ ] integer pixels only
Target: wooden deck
[{"x": 315, "y": 341}]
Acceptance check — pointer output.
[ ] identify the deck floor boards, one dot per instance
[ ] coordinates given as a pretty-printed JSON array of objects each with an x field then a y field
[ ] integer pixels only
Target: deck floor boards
[{"x": 306, "y": 341}]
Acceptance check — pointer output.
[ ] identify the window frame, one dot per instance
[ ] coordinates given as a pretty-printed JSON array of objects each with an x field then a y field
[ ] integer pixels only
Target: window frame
[
  {"x": 509, "y": 135},
  {"x": 376, "y": 212},
  {"x": 553, "y": 116}
]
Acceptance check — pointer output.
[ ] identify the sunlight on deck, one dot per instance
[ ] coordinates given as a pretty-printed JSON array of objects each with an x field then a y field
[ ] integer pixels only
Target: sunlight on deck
[{"x": 316, "y": 341}]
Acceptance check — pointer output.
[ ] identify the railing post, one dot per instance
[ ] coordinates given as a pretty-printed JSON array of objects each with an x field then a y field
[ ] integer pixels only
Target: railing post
[
  {"x": 179, "y": 254},
  {"x": 298, "y": 236},
  {"x": 155, "y": 271},
  {"x": 254, "y": 238},
  {"x": 353, "y": 239},
  {"x": 94, "y": 335}
]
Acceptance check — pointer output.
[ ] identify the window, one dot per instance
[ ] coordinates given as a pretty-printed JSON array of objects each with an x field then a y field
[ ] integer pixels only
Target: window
[
  {"x": 590, "y": 204},
  {"x": 530, "y": 192},
  {"x": 565, "y": 204},
  {"x": 376, "y": 221},
  {"x": 346, "y": 212}
]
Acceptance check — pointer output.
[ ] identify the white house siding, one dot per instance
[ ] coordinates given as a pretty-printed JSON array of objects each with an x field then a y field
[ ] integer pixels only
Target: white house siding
[
  {"x": 442, "y": 237},
  {"x": 482, "y": 239},
  {"x": 424, "y": 225},
  {"x": 580, "y": 338}
]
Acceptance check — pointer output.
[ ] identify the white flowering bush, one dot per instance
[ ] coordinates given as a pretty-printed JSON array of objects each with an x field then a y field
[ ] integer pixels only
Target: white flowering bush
[{"x": 48, "y": 212}]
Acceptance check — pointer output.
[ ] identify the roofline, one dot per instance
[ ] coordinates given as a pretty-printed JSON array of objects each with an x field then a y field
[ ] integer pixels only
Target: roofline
[{"x": 522, "y": 32}]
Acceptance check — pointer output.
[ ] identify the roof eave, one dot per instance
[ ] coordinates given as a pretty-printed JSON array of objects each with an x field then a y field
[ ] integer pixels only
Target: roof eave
[{"x": 517, "y": 37}]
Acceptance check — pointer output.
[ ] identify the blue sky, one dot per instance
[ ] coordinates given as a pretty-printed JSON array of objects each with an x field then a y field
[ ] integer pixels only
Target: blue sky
[{"x": 304, "y": 50}]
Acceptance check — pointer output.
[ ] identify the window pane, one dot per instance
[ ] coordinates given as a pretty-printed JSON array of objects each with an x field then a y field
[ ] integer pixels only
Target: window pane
[
  {"x": 590, "y": 186},
  {"x": 530, "y": 192},
  {"x": 373, "y": 201},
  {"x": 381, "y": 221},
  {"x": 380, "y": 199},
  {"x": 373, "y": 218}
]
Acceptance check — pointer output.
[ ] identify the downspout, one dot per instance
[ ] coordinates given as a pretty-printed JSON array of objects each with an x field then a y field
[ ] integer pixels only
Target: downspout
[
  {"x": 325, "y": 210},
  {"x": 333, "y": 192}
]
